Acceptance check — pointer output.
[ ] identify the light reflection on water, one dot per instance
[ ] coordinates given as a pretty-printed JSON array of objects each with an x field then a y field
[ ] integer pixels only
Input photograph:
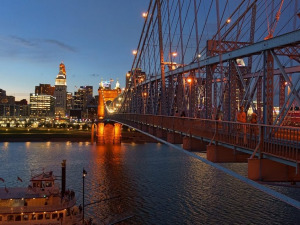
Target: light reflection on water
[{"x": 155, "y": 183}]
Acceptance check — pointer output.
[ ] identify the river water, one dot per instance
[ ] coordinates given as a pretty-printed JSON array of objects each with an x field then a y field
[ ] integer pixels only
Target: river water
[{"x": 150, "y": 183}]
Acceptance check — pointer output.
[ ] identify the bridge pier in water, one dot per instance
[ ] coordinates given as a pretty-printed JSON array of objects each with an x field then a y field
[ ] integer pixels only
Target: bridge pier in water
[
  {"x": 268, "y": 170},
  {"x": 107, "y": 133},
  {"x": 221, "y": 154},
  {"x": 193, "y": 144}
]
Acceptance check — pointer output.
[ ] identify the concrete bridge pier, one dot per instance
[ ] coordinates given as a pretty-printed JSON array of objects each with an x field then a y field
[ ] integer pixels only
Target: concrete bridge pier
[
  {"x": 267, "y": 170},
  {"x": 108, "y": 134},
  {"x": 221, "y": 154},
  {"x": 193, "y": 144}
]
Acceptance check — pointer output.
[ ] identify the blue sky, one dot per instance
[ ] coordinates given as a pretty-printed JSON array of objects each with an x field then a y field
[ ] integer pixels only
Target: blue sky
[{"x": 94, "y": 38}]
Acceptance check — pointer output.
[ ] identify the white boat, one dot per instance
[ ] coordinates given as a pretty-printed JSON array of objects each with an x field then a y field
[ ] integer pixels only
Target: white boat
[{"x": 41, "y": 203}]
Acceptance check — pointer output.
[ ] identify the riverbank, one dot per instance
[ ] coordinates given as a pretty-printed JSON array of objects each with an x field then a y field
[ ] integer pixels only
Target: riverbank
[{"x": 63, "y": 135}]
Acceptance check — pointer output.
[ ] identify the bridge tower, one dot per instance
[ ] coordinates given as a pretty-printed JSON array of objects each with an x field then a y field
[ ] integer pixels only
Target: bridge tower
[{"x": 106, "y": 132}]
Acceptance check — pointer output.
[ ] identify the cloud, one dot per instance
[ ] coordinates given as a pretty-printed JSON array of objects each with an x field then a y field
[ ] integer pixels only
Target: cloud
[
  {"x": 32, "y": 49},
  {"x": 22, "y": 41},
  {"x": 61, "y": 45}
]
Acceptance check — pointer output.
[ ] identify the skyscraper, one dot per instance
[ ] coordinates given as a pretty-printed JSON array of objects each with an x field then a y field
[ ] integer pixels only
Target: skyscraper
[
  {"x": 44, "y": 89},
  {"x": 60, "y": 92}
]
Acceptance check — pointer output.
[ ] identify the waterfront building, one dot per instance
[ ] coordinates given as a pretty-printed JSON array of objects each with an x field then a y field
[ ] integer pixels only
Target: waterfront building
[
  {"x": 89, "y": 94},
  {"x": 24, "y": 107},
  {"x": 70, "y": 103},
  {"x": 2, "y": 92},
  {"x": 44, "y": 89},
  {"x": 10, "y": 100},
  {"x": 136, "y": 76},
  {"x": 83, "y": 97},
  {"x": 42, "y": 105},
  {"x": 8, "y": 108},
  {"x": 60, "y": 92}
]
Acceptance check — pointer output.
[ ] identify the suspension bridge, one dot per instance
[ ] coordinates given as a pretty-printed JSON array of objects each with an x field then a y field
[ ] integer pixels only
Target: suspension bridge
[{"x": 197, "y": 62}]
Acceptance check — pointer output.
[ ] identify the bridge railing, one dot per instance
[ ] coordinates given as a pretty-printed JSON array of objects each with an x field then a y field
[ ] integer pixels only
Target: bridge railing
[{"x": 283, "y": 142}]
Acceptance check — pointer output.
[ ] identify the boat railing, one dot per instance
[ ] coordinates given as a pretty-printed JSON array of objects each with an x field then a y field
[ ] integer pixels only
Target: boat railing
[{"x": 64, "y": 204}]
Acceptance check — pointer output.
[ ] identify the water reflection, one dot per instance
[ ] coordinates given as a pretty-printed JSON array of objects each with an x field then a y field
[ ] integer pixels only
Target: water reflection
[
  {"x": 156, "y": 184},
  {"x": 5, "y": 145},
  {"x": 107, "y": 179}
]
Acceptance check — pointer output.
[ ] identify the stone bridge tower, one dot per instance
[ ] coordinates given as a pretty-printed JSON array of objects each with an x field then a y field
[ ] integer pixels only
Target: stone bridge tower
[{"x": 106, "y": 132}]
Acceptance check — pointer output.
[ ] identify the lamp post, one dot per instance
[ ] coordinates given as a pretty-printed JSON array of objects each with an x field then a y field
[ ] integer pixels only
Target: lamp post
[
  {"x": 190, "y": 80},
  {"x": 144, "y": 15},
  {"x": 144, "y": 100},
  {"x": 84, "y": 173}
]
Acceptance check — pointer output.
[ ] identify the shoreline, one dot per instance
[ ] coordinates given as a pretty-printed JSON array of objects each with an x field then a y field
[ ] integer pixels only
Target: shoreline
[{"x": 127, "y": 137}]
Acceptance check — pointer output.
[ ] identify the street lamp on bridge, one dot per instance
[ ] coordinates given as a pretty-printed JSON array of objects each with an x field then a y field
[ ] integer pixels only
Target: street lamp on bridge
[
  {"x": 144, "y": 15},
  {"x": 190, "y": 80}
]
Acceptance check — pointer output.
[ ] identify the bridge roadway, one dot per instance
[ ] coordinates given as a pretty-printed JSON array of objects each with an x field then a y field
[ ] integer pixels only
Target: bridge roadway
[{"x": 276, "y": 143}]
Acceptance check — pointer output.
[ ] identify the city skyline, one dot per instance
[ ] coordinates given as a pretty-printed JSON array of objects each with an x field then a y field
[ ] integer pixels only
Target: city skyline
[{"x": 94, "y": 40}]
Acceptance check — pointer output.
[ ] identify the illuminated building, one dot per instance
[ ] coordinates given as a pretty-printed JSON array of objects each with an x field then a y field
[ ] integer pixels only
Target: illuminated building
[
  {"x": 44, "y": 89},
  {"x": 83, "y": 97},
  {"x": 8, "y": 107},
  {"x": 24, "y": 107},
  {"x": 60, "y": 92},
  {"x": 70, "y": 103},
  {"x": 136, "y": 75},
  {"x": 41, "y": 105}
]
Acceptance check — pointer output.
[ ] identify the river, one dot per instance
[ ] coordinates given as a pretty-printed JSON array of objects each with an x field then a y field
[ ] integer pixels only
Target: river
[{"x": 150, "y": 183}]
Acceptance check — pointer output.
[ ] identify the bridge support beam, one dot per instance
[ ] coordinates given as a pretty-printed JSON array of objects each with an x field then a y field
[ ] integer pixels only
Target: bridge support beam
[
  {"x": 221, "y": 154},
  {"x": 193, "y": 144},
  {"x": 174, "y": 138},
  {"x": 267, "y": 170}
]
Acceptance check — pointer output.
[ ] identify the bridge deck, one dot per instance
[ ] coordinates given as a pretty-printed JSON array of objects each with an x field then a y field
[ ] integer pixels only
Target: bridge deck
[{"x": 273, "y": 142}]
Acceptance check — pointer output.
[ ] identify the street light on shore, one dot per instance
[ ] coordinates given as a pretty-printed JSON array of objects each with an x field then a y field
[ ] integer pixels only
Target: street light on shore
[{"x": 84, "y": 173}]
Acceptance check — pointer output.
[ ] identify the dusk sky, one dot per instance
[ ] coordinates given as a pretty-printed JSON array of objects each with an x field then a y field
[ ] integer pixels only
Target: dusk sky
[{"x": 94, "y": 39}]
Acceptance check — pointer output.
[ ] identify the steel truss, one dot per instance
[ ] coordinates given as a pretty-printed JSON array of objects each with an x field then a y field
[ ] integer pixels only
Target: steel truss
[{"x": 235, "y": 67}]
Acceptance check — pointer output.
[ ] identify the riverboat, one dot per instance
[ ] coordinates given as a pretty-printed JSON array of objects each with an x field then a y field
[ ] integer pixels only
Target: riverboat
[{"x": 41, "y": 203}]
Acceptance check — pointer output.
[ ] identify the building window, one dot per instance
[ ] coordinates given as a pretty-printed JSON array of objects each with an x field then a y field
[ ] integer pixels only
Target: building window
[
  {"x": 25, "y": 217},
  {"x": 18, "y": 218},
  {"x": 40, "y": 216},
  {"x": 10, "y": 218},
  {"x": 33, "y": 217},
  {"x": 47, "y": 216}
]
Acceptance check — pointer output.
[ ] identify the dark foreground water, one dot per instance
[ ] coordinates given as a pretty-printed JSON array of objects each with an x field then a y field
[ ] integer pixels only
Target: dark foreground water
[{"x": 155, "y": 184}]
